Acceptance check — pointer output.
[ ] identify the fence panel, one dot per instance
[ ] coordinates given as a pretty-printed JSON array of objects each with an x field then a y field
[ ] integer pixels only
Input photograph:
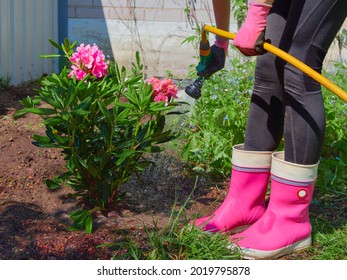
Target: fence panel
[{"x": 26, "y": 26}]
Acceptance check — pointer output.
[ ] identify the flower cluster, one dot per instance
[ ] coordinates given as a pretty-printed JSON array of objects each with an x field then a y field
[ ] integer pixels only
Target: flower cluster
[
  {"x": 88, "y": 60},
  {"x": 163, "y": 90}
]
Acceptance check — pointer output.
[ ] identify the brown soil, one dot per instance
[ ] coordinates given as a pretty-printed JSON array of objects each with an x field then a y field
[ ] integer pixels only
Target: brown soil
[{"x": 34, "y": 220}]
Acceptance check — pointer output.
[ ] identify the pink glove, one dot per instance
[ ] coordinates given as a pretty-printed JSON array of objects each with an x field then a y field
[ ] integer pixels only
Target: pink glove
[
  {"x": 222, "y": 43},
  {"x": 251, "y": 34}
]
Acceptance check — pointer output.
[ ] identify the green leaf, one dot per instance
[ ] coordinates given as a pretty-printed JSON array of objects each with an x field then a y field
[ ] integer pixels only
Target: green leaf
[
  {"x": 89, "y": 224},
  {"x": 55, "y": 138},
  {"x": 71, "y": 94},
  {"x": 125, "y": 105},
  {"x": 126, "y": 154},
  {"x": 41, "y": 139},
  {"x": 58, "y": 100},
  {"x": 106, "y": 133},
  {"x": 71, "y": 164},
  {"x": 36, "y": 101},
  {"x": 20, "y": 113},
  {"x": 54, "y": 121},
  {"x": 141, "y": 134},
  {"x": 218, "y": 112},
  {"x": 104, "y": 111},
  {"x": 78, "y": 215},
  {"x": 56, "y": 45},
  {"x": 49, "y": 55},
  {"x": 66, "y": 46},
  {"x": 160, "y": 123},
  {"x": 84, "y": 105},
  {"x": 41, "y": 111},
  {"x": 133, "y": 80},
  {"x": 157, "y": 107},
  {"x": 131, "y": 95},
  {"x": 27, "y": 102},
  {"x": 80, "y": 112},
  {"x": 66, "y": 116},
  {"x": 47, "y": 145},
  {"x": 121, "y": 197},
  {"x": 47, "y": 97},
  {"x": 73, "y": 44},
  {"x": 52, "y": 185},
  {"x": 82, "y": 162},
  {"x": 82, "y": 219}
]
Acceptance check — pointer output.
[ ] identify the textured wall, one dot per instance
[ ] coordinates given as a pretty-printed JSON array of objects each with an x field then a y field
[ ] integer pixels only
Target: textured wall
[{"x": 156, "y": 28}]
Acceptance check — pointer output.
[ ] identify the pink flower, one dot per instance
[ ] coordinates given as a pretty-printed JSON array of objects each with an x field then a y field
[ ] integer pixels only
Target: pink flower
[
  {"x": 88, "y": 60},
  {"x": 80, "y": 74},
  {"x": 163, "y": 90},
  {"x": 155, "y": 82},
  {"x": 160, "y": 96}
]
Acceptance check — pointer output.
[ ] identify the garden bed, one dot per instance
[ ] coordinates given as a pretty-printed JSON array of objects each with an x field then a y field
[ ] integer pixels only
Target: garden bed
[{"x": 34, "y": 220}]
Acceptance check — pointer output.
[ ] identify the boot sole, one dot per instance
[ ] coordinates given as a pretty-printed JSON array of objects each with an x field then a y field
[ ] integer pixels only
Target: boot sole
[{"x": 252, "y": 254}]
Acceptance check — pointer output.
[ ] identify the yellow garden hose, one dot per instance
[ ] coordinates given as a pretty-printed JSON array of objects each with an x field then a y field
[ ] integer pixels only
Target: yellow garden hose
[{"x": 290, "y": 59}]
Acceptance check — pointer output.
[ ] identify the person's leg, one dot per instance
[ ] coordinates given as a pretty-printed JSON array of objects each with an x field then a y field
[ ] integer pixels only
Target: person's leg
[
  {"x": 264, "y": 129},
  {"x": 285, "y": 226},
  {"x": 307, "y": 38}
]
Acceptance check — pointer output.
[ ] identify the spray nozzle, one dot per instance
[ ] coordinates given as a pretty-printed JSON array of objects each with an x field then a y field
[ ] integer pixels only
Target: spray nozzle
[{"x": 194, "y": 90}]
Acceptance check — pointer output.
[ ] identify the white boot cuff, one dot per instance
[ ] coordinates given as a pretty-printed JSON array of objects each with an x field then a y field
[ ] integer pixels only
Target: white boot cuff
[
  {"x": 292, "y": 171},
  {"x": 251, "y": 159}
]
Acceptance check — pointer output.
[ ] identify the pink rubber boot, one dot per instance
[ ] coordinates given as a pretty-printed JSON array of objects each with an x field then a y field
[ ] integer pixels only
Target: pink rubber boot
[
  {"x": 245, "y": 202},
  {"x": 285, "y": 227}
]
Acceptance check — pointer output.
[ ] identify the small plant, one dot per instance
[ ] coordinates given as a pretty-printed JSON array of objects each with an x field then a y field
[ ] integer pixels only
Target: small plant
[
  {"x": 5, "y": 82},
  {"x": 333, "y": 163},
  {"x": 104, "y": 122}
]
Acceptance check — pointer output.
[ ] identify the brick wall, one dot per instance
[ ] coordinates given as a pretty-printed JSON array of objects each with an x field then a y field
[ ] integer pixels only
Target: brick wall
[{"x": 144, "y": 10}]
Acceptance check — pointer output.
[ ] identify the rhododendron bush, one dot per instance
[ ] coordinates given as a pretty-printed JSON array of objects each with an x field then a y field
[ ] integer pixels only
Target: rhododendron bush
[{"x": 104, "y": 121}]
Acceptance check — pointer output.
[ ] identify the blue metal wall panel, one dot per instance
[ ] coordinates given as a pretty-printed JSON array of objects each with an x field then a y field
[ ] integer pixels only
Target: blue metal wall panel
[{"x": 26, "y": 26}]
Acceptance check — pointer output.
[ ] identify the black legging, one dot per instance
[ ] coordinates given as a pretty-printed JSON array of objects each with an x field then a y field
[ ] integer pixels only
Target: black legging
[{"x": 284, "y": 99}]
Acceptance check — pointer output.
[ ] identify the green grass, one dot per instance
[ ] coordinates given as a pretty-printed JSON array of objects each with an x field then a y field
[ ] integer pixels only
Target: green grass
[
  {"x": 328, "y": 219},
  {"x": 177, "y": 240},
  {"x": 330, "y": 246}
]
